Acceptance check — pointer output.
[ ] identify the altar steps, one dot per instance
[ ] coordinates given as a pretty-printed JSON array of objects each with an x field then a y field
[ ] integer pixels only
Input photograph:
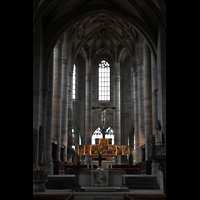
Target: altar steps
[
  {"x": 131, "y": 181},
  {"x": 60, "y": 181},
  {"x": 142, "y": 182}
]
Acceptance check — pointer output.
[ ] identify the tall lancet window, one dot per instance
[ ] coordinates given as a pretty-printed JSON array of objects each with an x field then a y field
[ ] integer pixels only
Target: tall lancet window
[
  {"x": 104, "y": 81},
  {"x": 74, "y": 82}
]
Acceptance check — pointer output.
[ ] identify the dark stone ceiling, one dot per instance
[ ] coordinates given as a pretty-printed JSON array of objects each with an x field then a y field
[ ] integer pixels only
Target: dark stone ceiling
[{"x": 101, "y": 27}]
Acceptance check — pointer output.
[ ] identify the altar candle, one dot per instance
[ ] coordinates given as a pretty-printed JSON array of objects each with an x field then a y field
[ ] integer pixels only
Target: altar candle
[
  {"x": 91, "y": 166},
  {"x": 87, "y": 166},
  {"x": 111, "y": 166},
  {"x": 107, "y": 166}
]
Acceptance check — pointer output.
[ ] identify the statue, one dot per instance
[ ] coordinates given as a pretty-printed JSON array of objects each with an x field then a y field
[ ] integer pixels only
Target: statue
[{"x": 103, "y": 116}]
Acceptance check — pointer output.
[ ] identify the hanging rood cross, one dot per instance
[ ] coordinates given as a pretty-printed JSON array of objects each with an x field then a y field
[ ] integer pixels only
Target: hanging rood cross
[{"x": 103, "y": 116}]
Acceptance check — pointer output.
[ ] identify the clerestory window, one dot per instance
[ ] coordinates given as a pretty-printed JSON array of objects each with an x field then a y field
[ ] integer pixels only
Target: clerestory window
[{"x": 104, "y": 81}]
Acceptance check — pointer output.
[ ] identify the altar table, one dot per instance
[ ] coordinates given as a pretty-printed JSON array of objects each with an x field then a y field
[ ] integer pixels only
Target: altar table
[{"x": 113, "y": 178}]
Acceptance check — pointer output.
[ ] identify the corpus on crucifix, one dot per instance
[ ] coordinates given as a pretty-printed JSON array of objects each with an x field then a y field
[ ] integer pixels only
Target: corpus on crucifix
[{"x": 104, "y": 118}]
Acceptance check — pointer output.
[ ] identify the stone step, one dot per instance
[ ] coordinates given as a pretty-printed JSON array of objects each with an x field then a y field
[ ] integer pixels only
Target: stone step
[
  {"x": 142, "y": 182},
  {"x": 141, "y": 179},
  {"x": 99, "y": 196},
  {"x": 60, "y": 182},
  {"x": 143, "y": 187}
]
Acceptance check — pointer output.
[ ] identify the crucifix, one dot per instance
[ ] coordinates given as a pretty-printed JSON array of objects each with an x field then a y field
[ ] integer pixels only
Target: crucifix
[{"x": 103, "y": 116}]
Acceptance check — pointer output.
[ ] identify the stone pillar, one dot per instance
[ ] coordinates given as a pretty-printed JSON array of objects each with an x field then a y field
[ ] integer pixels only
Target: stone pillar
[
  {"x": 70, "y": 110},
  {"x": 117, "y": 129},
  {"x": 64, "y": 101},
  {"x": 141, "y": 108},
  {"x": 43, "y": 133},
  {"x": 154, "y": 106},
  {"x": 56, "y": 110},
  {"x": 64, "y": 124},
  {"x": 154, "y": 102},
  {"x": 131, "y": 147},
  {"x": 147, "y": 95},
  {"x": 88, "y": 114},
  {"x": 35, "y": 147},
  {"x": 154, "y": 94},
  {"x": 49, "y": 164},
  {"x": 135, "y": 84}
]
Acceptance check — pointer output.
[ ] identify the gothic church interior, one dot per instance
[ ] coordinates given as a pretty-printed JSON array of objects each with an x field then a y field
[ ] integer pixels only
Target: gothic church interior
[{"x": 99, "y": 54}]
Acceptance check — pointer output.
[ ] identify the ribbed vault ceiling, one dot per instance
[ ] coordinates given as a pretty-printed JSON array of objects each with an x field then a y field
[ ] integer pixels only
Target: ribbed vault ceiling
[{"x": 101, "y": 32}]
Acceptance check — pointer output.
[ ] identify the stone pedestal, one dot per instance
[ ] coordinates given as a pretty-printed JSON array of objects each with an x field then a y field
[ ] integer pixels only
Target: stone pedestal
[{"x": 40, "y": 177}]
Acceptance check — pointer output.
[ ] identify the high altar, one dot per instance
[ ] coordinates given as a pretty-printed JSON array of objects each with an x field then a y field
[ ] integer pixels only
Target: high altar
[
  {"x": 101, "y": 178},
  {"x": 103, "y": 146}
]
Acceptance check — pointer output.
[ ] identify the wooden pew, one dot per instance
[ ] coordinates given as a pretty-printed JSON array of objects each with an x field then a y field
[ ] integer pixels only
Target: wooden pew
[
  {"x": 144, "y": 196},
  {"x": 129, "y": 169},
  {"x": 53, "y": 196}
]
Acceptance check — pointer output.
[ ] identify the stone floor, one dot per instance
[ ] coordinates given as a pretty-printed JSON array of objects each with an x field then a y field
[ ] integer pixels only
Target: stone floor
[
  {"x": 68, "y": 191},
  {"x": 100, "y": 195},
  {"x": 104, "y": 195}
]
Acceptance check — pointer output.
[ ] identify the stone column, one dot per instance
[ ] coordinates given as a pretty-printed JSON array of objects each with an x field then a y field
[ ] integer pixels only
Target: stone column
[
  {"x": 64, "y": 101},
  {"x": 70, "y": 110},
  {"x": 117, "y": 117},
  {"x": 43, "y": 133},
  {"x": 147, "y": 96},
  {"x": 153, "y": 86},
  {"x": 88, "y": 114},
  {"x": 154, "y": 102},
  {"x": 35, "y": 147},
  {"x": 49, "y": 164},
  {"x": 154, "y": 106},
  {"x": 64, "y": 125},
  {"x": 141, "y": 108},
  {"x": 131, "y": 146},
  {"x": 135, "y": 84},
  {"x": 56, "y": 113}
]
